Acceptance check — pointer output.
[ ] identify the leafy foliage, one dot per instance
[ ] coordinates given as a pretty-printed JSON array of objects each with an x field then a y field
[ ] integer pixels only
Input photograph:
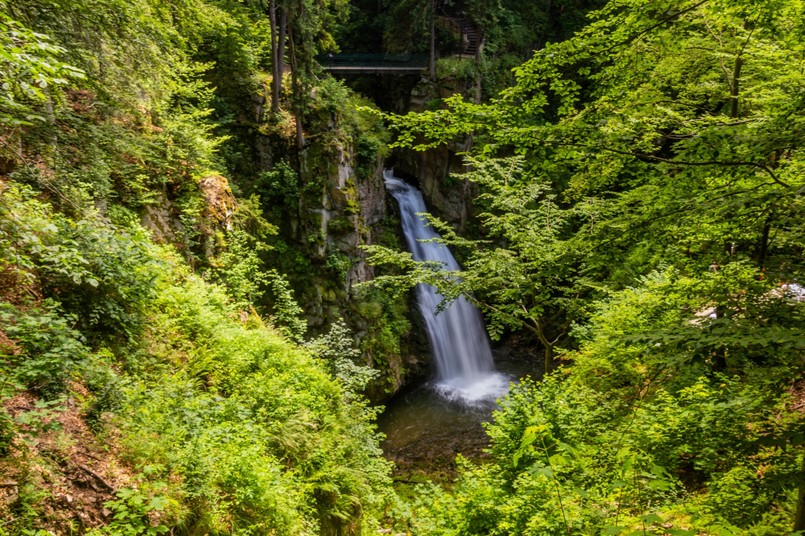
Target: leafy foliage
[
  {"x": 31, "y": 73},
  {"x": 246, "y": 430},
  {"x": 48, "y": 348},
  {"x": 130, "y": 517},
  {"x": 641, "y": 215},
  {"x": 230, "y": 426},
  {"x": 641, "y": 201},
  {"x": 337, "y": 347},
  {"x": 632, "y": 434},
  {"x": 260, "y": 436}
]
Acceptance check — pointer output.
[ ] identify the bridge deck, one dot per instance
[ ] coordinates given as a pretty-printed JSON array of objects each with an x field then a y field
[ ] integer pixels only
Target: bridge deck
[{"x": 373, "y": 63}]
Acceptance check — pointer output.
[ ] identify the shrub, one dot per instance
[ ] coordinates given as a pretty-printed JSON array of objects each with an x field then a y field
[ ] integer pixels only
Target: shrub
[{"x": 49, "y": 347}]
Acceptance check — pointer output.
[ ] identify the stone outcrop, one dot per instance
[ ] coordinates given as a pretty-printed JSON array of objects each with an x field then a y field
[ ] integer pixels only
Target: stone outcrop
[
  {"x": 341, "y": 205},
  {"x": 163, "y": 218},
  {"x": 437, "y": 172}
]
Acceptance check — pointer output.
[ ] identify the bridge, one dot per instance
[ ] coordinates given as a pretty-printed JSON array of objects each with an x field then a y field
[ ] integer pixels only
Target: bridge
[{"x": 345, "y": 64}]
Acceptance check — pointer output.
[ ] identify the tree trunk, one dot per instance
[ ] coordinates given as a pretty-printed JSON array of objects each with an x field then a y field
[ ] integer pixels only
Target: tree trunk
[
  {"x": 276, "y": 72},
  {"x": 735, "y": 86},
  {"x": 478, "y": 75},
  {"x": 799, "y": 518},
  {"x": 281, "y": 45},
  {"x": 432, "y": 50},
  {"x": 719, "y": 354},
  {"x": 548, "y": 345},
  {"x": 763, "y": 247},
  {"x": 300, "y": 136},
  {"x": 548, "y": 358}
]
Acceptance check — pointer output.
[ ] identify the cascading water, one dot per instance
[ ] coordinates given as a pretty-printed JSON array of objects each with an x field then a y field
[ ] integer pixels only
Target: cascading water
[{"x": 460, "y": 347}]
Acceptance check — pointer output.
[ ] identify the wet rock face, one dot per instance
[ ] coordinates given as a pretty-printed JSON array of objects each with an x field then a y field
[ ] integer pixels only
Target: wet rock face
[
  {"x": 438, "y": 176},
  {"x": 339, "y": 213},
  {"x": 219, "y": 208},
  {"x": 437, "y": 171}
]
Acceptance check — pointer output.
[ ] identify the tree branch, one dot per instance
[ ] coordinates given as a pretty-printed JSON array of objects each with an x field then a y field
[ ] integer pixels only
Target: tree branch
[
  {"x": 657, "y": 25},
  {"x": 97, "y": 477},
  {"x": 685, "y": 208},
  {"x": 654, "y": 158}
]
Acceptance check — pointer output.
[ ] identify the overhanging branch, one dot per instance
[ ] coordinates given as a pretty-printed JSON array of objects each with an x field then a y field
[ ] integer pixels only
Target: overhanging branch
[{"x": 653, "y": 158}]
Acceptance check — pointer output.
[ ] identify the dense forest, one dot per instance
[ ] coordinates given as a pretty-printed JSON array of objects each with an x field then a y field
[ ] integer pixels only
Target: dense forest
[{"x": 205, "y": 298}]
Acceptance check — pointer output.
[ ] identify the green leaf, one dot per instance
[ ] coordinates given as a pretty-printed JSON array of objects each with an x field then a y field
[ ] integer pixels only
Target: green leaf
[
  {"x": 661, "y": 485},
  {"x": 158, "y": 503},
  {"x": 543, "y": 471},
  {"x": 651, "y": 518}
]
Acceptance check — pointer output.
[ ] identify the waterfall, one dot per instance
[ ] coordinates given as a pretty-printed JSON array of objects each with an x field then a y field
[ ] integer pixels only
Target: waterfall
[{"x": 459, "y": 344}]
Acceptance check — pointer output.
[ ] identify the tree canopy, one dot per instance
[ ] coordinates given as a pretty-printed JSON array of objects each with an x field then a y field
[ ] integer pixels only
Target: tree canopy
[{"x": 642, "y": 212}]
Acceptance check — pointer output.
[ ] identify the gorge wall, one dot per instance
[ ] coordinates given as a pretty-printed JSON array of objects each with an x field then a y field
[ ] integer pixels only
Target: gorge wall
[{"x": 336, "y": 203}]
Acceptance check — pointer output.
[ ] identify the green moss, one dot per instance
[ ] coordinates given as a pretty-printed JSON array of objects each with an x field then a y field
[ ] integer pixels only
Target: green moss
[
  {"x": 340, "y": 225},
  {"x": 386, "y": 315}
]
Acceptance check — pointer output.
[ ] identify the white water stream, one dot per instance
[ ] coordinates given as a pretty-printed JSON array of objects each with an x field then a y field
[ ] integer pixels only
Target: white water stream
[{"x": 459, "y": 344}]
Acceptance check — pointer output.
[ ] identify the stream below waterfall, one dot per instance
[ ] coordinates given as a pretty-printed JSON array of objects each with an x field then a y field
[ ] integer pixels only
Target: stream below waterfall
[
  {"x": 427, "y": 426},
  {"x": 424, "y": 430}
]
